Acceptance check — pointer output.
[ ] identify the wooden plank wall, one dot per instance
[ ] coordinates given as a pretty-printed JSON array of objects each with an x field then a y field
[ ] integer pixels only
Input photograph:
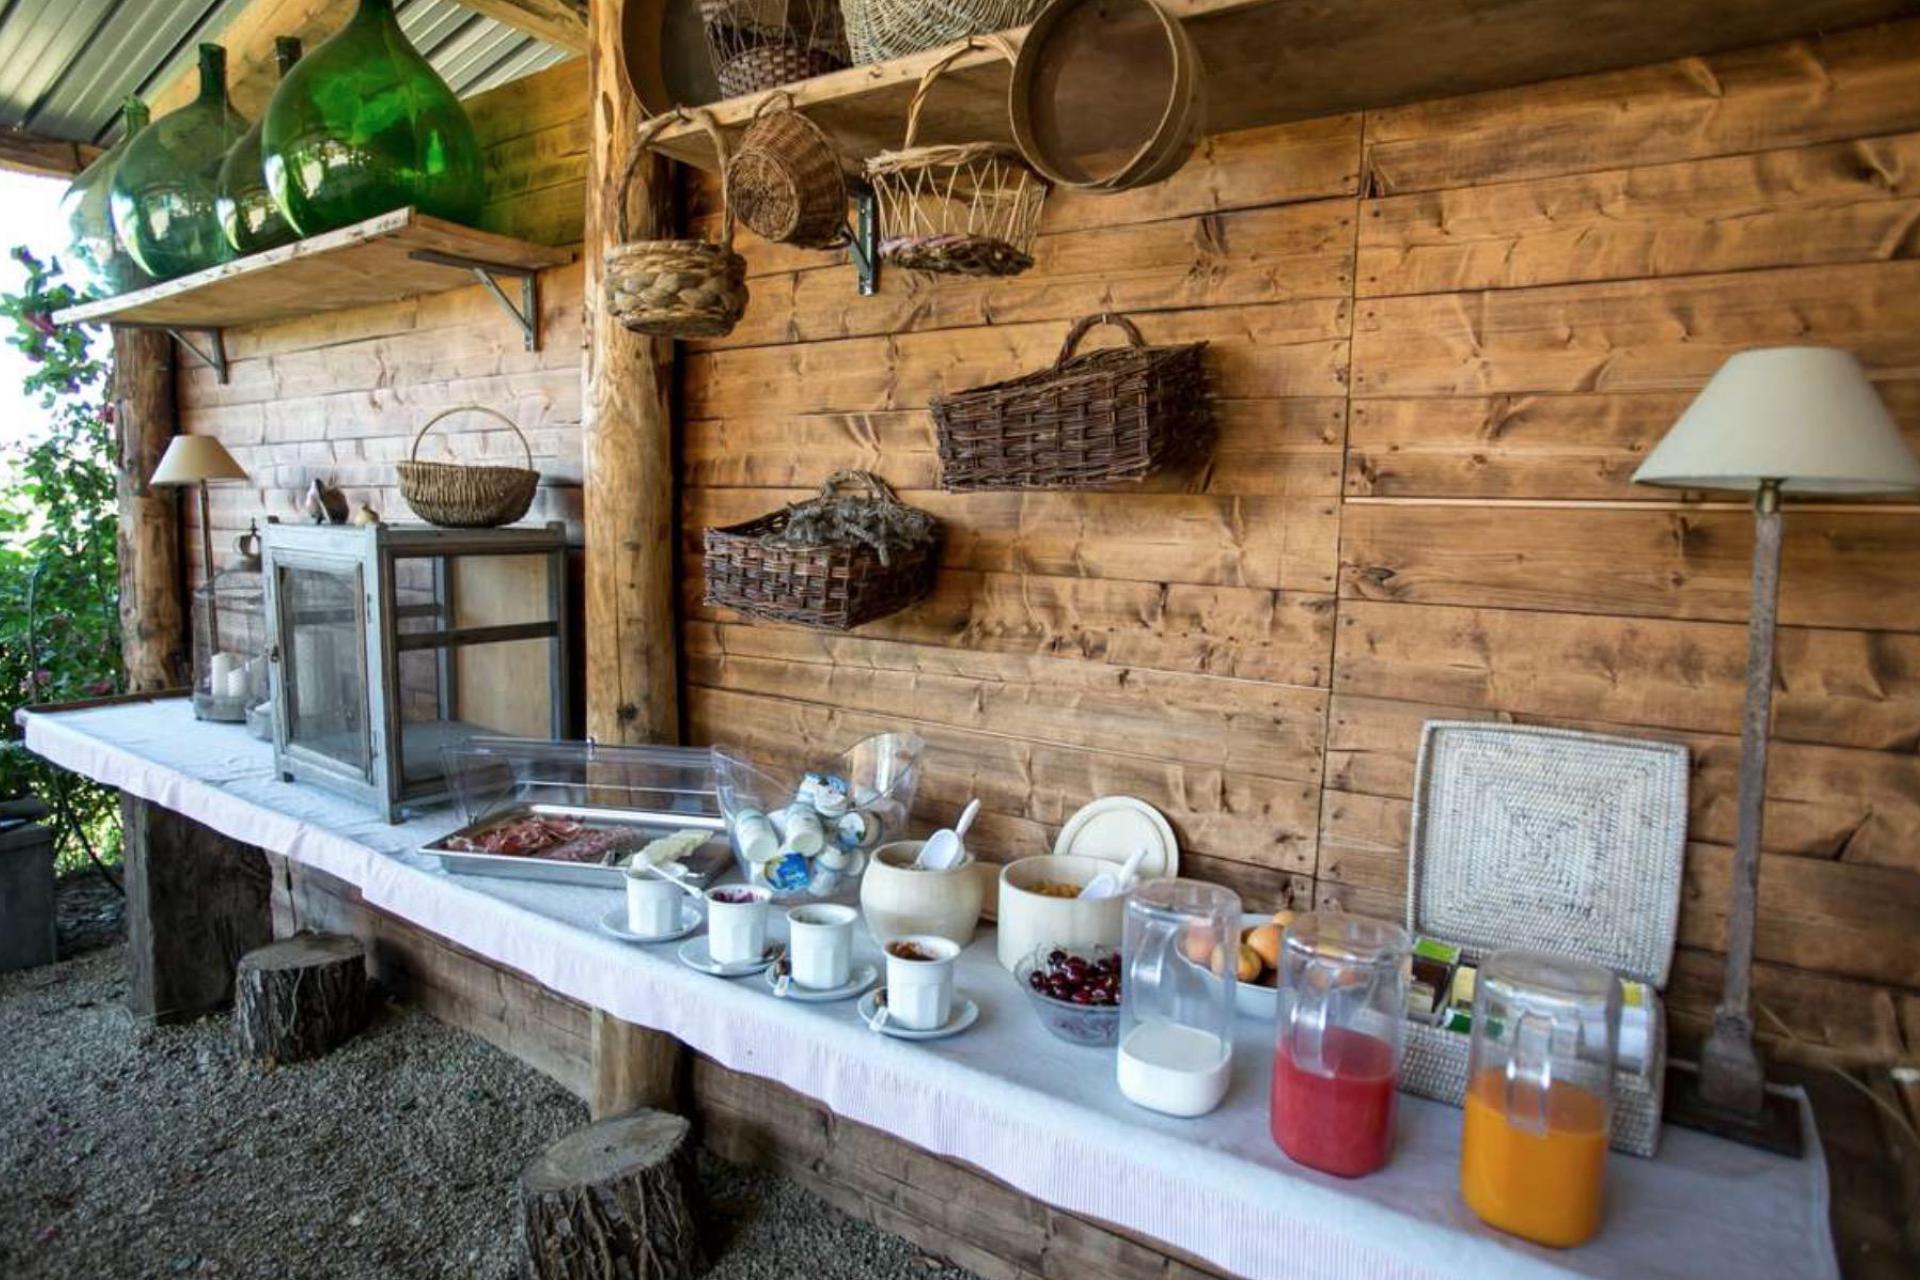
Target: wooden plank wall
[{"x": 1443, "y": 336}]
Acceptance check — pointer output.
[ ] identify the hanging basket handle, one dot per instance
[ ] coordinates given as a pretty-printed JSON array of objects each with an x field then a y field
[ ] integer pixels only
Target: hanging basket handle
[
  {"x": 414, "y": 455},
  {"x": 774, "y": 95},
  {"x": 1086, "y": 325},
  {"x": 996, "y": 42},
  {"x": 881, "y": 491},
  {"x": 650, "y": 130}
]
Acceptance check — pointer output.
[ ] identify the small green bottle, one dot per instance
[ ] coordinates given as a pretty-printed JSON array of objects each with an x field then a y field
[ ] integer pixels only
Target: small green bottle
[
  {"x": 92, "y": 247},
  {"x": 365, "y": 125},
  {"x": 163, "y": 191},
  {"x": 249, "y": 218}
]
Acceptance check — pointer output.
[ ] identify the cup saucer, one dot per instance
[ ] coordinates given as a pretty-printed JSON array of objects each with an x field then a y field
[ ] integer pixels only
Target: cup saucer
[
  {"x": 696, "y": 954},
  {"x": 859, "y": 978},
  {"x": 963, "y": 1015},
  {"x": 615, "y": 923}
]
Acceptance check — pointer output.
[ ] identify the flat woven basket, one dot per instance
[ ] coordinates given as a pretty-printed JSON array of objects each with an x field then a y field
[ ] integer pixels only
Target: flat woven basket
[
  {"x": 785, "y": 177},
  {"x": 676, "y": 288},
  {"x": 458, "y": 496},
  {"x": 836, "y": 582},
  {"x": 1105, "y": 417},
  {"x": 1556, "y": 841},
  {"x": 882, "y": 29}
]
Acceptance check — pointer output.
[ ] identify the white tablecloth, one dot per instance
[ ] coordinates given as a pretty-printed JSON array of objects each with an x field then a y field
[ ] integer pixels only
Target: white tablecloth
[{"x": 1040, "y": 1114}]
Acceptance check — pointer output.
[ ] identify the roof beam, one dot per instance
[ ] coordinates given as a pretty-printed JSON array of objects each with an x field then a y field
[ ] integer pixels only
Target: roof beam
[
  {"x": 23, "y": 152},
  {"x": 559, "y": 22}
]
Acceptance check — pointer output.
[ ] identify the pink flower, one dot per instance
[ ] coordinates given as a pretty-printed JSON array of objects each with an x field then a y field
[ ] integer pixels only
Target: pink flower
[
  {"x": 43, "y": 676},
  {"x": 100, "y": 688}
]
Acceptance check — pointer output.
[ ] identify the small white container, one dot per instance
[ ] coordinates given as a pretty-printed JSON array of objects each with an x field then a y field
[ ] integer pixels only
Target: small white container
[
  {"x": 920, "y": 991},
  {"x": 1028, "y": 920},
  {"x": 737, "y": 929},
  {"x": 820, "y": 945},
  {"x": 898, "y": 900},
  {"x": 653, "y": 904}
]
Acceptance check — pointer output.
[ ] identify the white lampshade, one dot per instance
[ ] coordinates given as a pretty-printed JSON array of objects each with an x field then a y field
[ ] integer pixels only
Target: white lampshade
[
  {"x": 1804, "y": 416},
  {"x": 191, "y": 459}
]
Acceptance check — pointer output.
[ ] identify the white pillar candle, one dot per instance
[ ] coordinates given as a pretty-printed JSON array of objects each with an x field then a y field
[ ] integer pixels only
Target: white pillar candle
[
  {"x": 236, "y": 686},
  {"x": 221, "y": 670}
]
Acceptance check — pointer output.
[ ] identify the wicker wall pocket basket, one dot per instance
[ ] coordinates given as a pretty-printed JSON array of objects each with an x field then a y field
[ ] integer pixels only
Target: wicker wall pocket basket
[
  {"x": 759, "y": 44},
  {"x": 456, "y": 496},
  {"x": 882, "y": 29},
  {"x": 969, "y": 208},
  {"x": 1104, "y": 417},
  {"x": 676, "y": 288},
  {"x": 786, "y": 178},
  {"x": 834, "y": 561}
]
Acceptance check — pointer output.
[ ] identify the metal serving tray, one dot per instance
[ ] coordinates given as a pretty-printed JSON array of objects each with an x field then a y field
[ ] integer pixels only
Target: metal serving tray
[{"x": 703, "y": 865}]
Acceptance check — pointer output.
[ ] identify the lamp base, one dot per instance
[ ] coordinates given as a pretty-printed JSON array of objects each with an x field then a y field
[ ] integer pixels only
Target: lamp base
[{"x": 1774, "y": 1127}]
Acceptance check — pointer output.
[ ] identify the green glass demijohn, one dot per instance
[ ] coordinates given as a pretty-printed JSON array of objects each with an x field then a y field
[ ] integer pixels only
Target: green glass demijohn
[
  {"x": 163, "y": 191},
  {"x": 249, "y": 218},
  {"x": 364, "y": 125},
  {"x": 93, "y": 251}
]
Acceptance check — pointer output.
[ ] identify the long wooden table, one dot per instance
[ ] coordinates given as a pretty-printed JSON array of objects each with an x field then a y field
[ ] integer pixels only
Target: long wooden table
[{"x": 1039, "y": 1115}]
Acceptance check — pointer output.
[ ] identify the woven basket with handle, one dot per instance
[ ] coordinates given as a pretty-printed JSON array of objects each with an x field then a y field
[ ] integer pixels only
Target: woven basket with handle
[
  {"x": 1107, "y": 416},
  {"x": 758, "y": 44},
  {"x": 676, "y": 288},
  {"x": 460, "y": 496},
  {"x": 838, "y": 581},
  {"x": 786, "y": 180},
  {"x": 882, "y": 29},
  {"x": 968, "y": 208}
]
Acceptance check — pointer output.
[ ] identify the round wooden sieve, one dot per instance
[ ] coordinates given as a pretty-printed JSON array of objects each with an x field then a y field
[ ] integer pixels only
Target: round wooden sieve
[{"x": 663, "y": 48}]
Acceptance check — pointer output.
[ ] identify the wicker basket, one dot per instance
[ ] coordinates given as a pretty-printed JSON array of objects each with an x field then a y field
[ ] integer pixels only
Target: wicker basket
[
  {"x": 882, "y": 29},
  {"x": 1101, "y": 418},
  {"x": 456, "y": 496},
  {"x": 761, "y": 44},
  {"x": 676, "y": 288},
  {"x": 1548, "y": 840},
  {"x": 838, "y": 584},
  {"x": 970, "y": 208},
  {"x": 786, "y": 179}
]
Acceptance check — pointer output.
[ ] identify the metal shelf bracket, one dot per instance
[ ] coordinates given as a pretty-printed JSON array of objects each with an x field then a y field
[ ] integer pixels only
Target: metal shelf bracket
[
  {"x": 215, "y": 355},
  {"x": 525, "y": 313},
  {"x": 864, "y": 241}
]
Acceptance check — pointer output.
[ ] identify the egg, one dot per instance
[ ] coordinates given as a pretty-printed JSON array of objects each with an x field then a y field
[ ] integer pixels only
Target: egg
[
  {"x": 1265, "y": 943},
  {"x": 1248, "y": 967}
]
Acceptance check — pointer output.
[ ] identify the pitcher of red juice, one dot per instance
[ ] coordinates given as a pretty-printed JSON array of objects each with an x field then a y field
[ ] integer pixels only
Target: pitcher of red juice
[
  {"x": 1336, "y": 1061},
  {"x": 1533, "y": 1156}
]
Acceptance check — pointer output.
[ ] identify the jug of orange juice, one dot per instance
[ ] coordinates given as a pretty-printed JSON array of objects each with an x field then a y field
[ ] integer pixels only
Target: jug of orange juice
[{"x": 1533, "y": 1158}]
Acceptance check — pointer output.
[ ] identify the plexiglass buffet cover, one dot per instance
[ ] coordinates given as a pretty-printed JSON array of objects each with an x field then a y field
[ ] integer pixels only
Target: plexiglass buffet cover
[{"x": 492, "y": 775}]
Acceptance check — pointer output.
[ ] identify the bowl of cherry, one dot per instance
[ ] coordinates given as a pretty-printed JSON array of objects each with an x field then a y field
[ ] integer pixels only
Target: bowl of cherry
[{"x": 1076, "y": 992}]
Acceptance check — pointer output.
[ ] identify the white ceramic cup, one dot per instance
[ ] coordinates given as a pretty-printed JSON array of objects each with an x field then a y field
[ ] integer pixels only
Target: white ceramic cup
[
  {"x": 653, "y": 904},
  {"x": 737, "y": 930},
  {"x": 920, "y": 991},
  {"x": 820, "y": 945}
]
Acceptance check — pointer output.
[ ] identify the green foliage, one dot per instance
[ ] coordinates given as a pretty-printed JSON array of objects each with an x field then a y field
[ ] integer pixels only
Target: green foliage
[{"x": 59, "y": 558}]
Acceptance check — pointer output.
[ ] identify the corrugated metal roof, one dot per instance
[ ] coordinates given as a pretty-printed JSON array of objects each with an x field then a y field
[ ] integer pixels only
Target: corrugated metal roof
[{"x": 65, "y": 65}]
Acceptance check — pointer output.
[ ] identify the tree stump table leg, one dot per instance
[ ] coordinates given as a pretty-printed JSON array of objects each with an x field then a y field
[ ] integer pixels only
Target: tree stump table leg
[
  {"x": 299, "y": 998},
  {"x": 613, "y": 1201}
]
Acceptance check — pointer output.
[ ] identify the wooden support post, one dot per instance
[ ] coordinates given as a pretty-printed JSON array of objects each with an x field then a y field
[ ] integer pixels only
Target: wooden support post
[
  {"x": 616, "y": 1200},
  {"x": 632, "y": 682},
  {"x": 633, "y": 1067},
  {"x": 153, "y": 627},
  {"x": 196, "y": 903}
]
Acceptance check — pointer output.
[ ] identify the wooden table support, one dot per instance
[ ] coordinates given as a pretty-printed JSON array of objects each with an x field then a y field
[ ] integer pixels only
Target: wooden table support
[
  {"x": 153, "y": 625},
  {"x": 634, "y": 1067}
]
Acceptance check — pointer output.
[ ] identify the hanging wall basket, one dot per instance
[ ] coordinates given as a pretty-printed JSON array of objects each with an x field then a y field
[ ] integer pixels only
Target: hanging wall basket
[
  {"x": 882, "y": 29},
  {"x": 760, "y": 44},
  {"x": 786, "y": 181},
  {"x": 455, "y": 496},
  {"x": 835, "y": 561},
  {"x": 970, "y": 208},
  {"x": 676, "y": 288}
]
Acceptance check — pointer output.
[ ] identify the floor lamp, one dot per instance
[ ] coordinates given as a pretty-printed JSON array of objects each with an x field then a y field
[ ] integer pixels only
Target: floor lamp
[{"x": 1772, "y": 422}]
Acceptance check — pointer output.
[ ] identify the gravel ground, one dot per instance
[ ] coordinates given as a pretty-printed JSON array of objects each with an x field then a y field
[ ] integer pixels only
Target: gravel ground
[{"x": 136, "y": 1153}]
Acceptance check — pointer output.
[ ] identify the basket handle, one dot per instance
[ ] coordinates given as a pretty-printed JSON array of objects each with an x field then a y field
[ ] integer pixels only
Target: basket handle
[
  {"x": 414, "y": 455},
  {"x": 1087, "y": 324},
  {"x": 880, "y": 489},
  {"x": 996, "y": 42},
  {"x": 773, "y": 96},
  {"x": 649, "y": 130}
]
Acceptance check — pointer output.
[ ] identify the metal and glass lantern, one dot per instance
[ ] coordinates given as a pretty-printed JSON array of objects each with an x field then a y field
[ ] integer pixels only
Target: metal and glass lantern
[
  {"x": 230, "y": 638},
  {"x": 390, "y": 643}
]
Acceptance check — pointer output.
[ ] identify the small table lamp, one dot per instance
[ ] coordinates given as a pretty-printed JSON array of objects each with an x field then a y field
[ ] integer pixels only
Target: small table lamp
[
  {"x": 196, "y": 460},
  {"x": 1781, "y": 420}
]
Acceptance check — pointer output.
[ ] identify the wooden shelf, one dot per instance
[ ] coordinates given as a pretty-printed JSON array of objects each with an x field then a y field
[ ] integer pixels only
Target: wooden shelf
[
  {"x": 1270, "y": 61},
  {"x": 396, "y": 255}
]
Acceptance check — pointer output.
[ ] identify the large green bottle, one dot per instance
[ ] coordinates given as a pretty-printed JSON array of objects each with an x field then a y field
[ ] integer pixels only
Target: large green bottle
[
  {"x": 249, "y": 218},
  {"x": 163, "y": 191},
  {"x": 365, "y": 125},
  {"x": 93, "y": 251}
]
